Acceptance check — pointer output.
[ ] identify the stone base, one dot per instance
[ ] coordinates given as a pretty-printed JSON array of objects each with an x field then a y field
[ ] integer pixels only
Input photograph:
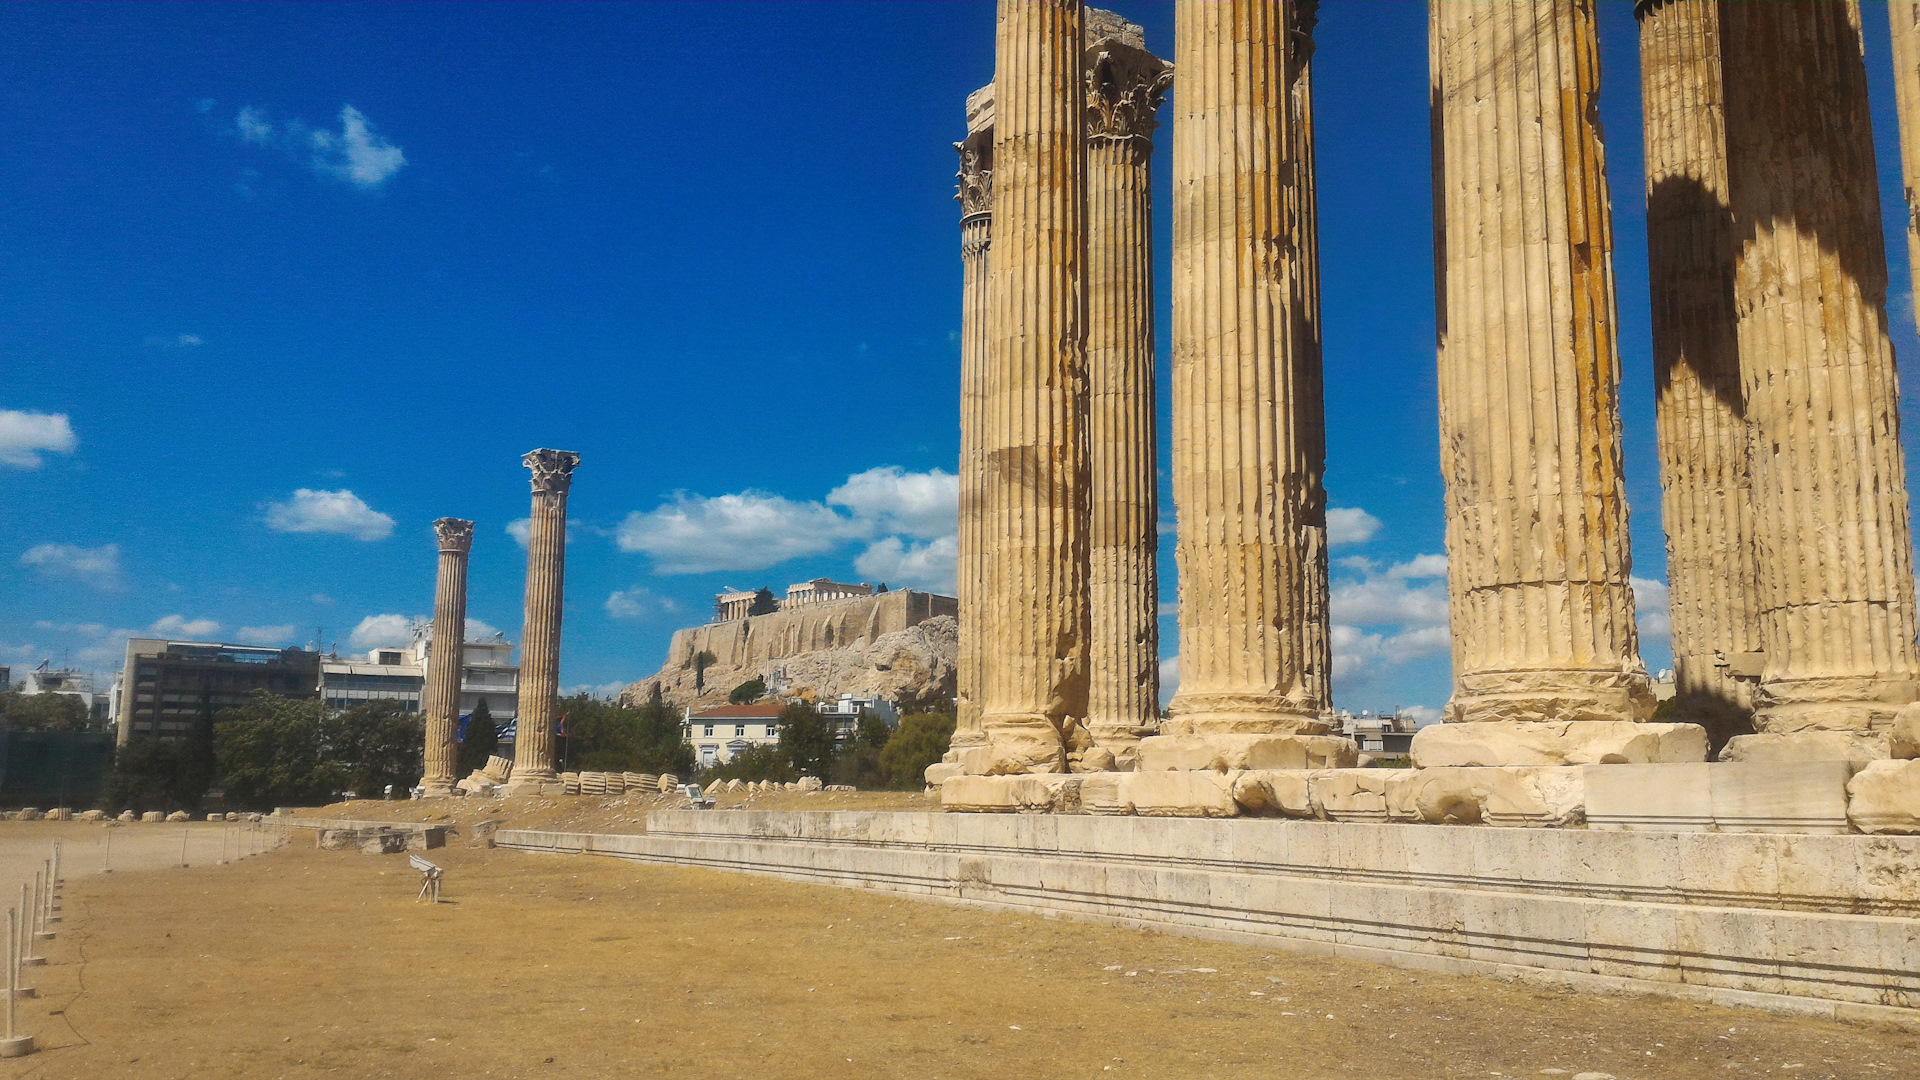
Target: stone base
[
  {"x": 1745, "y": 796},
  {"x": 1884, "y": 797},
  {"x": 941, "y": 771},
  {"x": 18, "y": 1046},
  {"x": 437, "y": 789},
  {"x": 1239, "y": 714},
  {"x": 1857, "y": 748},
  {"x": 1224, "y": 753},
  {"x": 1831, "y": 704},
  {"x": 1551, "y": 696},
  {"x": 535, "y": 786},
  {"x": 1586, "y": 742}
]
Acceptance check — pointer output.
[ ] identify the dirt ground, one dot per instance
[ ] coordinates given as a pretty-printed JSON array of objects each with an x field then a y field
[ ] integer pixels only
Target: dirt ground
[{"x": 303, "y": 963}]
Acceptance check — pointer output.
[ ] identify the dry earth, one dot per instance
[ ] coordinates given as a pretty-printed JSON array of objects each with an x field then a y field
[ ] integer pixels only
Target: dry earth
[{"x": 303, "y": 963}]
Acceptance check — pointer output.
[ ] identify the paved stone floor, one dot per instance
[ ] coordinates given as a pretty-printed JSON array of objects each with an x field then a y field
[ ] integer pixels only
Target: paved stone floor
[{"x": 302, "y": 963}]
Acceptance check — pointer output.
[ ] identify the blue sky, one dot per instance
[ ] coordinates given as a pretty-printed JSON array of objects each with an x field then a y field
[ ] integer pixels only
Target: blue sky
[{"x": 280, "y": 284}]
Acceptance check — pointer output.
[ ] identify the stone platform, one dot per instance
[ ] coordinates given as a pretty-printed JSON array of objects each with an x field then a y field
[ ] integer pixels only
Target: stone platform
[{"x": 1814, "y": 925}]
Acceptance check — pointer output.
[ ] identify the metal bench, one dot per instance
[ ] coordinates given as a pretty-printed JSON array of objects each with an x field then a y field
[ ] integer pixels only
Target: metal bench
[
  {"x": 429, "y": 878},
  {"x": 699, "y": 797}
]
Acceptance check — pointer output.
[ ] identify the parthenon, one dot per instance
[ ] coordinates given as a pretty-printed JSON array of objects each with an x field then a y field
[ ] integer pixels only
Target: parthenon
[{"x": 1785, "y": 508}]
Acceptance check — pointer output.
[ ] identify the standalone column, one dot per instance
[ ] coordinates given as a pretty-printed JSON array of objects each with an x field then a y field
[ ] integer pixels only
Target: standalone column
[
  {"x": 540, "y": 637},
  {"x": 976, "y": 217},
  {"x": 442, "y": 696},
  {"x": 1034, "y": 440},
  {"x": 1242, "y": 474},
  {"x": 1905, "y": 17},
  {"x": 1833, "y": 554},
  {"x": 1537, "y": 556},
  {"x": 1700, "y": 419},
  {"x": 1125, "y": 85},
  {"x": 1310, "y": 386}
]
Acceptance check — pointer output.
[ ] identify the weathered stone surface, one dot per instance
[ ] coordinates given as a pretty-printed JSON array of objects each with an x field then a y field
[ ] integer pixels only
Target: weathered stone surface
[
  {"x": 1569, "y": 743},
  {"x": 940, "y": 771},
  {"x": 440, "y": 698},
  {"x": 668, "y": 782},
  {"x": 736, "y": 784},
  {"x": 383, "y": 843},
  {"x": 178, "y": 815},
  {"x": 1285, "y": 792},
  {"x": 1856, "y": 748},
  {"x": 569, "y": 783},
  {"x": 27, "y": 814},
  {"x": 1884, "y": 797},
  {"x": 426, "y": 837},
  {"x": 714, "y": 789},
  {"x": 1011, "y": 794},
  {"x": 128, "y": 815},
  {"x": 1244, "y": 415},
  {"x": 1353, "y": 794},
  {"x": 1707, "y": 505},
  {"x": 533, "y": 747},
  {"x": 1904, "y": 17},
  {"x": 1676, "y": 797},
  {"x": 1832, "y": 541},
  {"x": 1221, "y": 753},
  {"x": 1541, "y": 606},
  {"x": 60, "y": 813},
  {"x": 1905, "y": 736},
  {"x": 153, "y": 815},
  {"x": 1783, "y": 797},
  {"x": 811, "y": 783},
  {"x": 975, "y": 195},
  {"x": 93, "y": 815},
  {"x": 338, "y": 839}
]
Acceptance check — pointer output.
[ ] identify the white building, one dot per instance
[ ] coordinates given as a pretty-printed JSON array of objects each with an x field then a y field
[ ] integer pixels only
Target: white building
[
  {"x": 721, "y": 732},
  {"x": 47, "y": 679},
  {"x": 487, "y": 671},
  {"x": 844, "y": 712}
]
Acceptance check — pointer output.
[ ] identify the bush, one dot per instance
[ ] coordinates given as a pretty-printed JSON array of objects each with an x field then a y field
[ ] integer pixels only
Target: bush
[
  {"x": 748, "y": 692},
  {"x": 151, "y": 774},
  {"x": 858, "y": 762},
  {"x": 806, "y": 740},
  {"x": 921, "y": 741},
  {"x": 606, "y": 737},
  {"x": 481, "y": 741},
  {"x": 44, "y": 712},
  {"x": 753, "y": 763}
]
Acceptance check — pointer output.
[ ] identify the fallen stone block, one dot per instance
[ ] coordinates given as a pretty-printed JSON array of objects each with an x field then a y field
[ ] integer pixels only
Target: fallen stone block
[
  {"x": 128, "y": 815},
  {"x": 1884, "y": 797},
  {"x": 714, "y": 789},
  {"x": 384, "y": 842},
  {"x": 153, "y": 815},
  {"x": 667, "y": 783},
  {"x": 28, "y": 814},
  {"x": 736, "y": 784},
  {"x": 841, "y": 787},
  {"x": 60, "y": 813},
  {"x": 93, "y": 815},
  {"x": 941, "y": 771},
  {"x": 1288, "y": 793},
  {"x": 1577, "y": 742},
  {"x": 810, "y": 783},
  {"x": 639, "y": 782},
  {"x": 480, "y": 833},
  {"x": 1233, "y": 753},
  {"x": 179, "y": 815},
  {"x": 570, "y": 783},
  {"x": 1178, "y": 794},
  {"x": 426, "y": 838}
]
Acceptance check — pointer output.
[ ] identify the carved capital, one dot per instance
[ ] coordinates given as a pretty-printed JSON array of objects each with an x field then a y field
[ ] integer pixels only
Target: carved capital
[
  {"x": 455, "y": 534},
  {"x": 975, "y": 190},
  {"x": 552, "y": 470},
  {"x": 1125, "y": 86}
]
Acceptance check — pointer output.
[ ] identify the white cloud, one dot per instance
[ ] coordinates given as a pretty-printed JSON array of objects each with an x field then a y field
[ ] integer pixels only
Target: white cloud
[
  {"x": 97, "y": 566},
  {"x": 1422, "y": 715},
  {"x": 384, "y": 631},
  {"x": 480, "y": 630},
  {"x": 1421, "y": 566},
  {"x": 693, "y": 534},
  {"x": 1350, "y": 526},
  {"x": 521, "y": 528},
  {"x": 639, "y": 602},
  {"x": 1169, "y": 678},
  {"x": 179, "y": 626},
  {"x": 600, "y": 690},
  {"x": 253, "y": 125},
  {"x": 1652, "y": 609},
  {"x": 25, "y": 435},
  {"x": 1357, "y": 653},
  {"x": 928, "y": 566},
  {"x": 264, "y": 635},
  {"x": 357, "y": 153},
  {"x": 890, "y": 499},
  {"x": 340, "y": 512},
  {"x": 1387, "y": 617},
  {"x": 1387, "y": 598}
]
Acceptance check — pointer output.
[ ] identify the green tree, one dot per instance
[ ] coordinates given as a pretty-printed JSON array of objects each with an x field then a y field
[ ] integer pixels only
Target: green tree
[
  {"x": 272, "y": 752},
  {"x": 920, "y": 741},
  {"x": 481, "y": 741},
  {"x": 749, "y": 692},
  {"x": 699, "y": 662},
  {"x": 806, "y": 740},
  {"x": 763, "y": 602},
  {"x": 858, "y": 762},
  {"x": 151, "y": 774},
  {"x": 44, "y": 712},
  {"x": 374, "y": 745},
  {"x": 753, "y": 763},
  {"x": 609, "y": 737}
]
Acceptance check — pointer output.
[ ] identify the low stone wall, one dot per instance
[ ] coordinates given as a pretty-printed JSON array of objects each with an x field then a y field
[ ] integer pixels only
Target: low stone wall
[{"x": 1816, "y": 925}]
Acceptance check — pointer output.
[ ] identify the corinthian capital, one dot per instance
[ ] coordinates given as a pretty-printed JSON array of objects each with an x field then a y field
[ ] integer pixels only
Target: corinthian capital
[
  {"x": 455, "y": 534},
  {"x": 1125, "y": 82},
  {"x": 552, "y": 470},
  {"x": 976, "y": 155}
]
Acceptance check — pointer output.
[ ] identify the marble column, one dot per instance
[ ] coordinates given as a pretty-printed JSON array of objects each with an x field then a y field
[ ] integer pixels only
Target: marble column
[
  {"x": 1310, "y": 394},
  {"x": 1833, "y": 550},
  {"x": 533, "y": 748},
  {"x": 1243, "y": 478},
  {"x": 1699, "y": 414},
  {"x": 1904, "y": 15},
  {"x": 441, "y": 699},
  {"x": 1125, "y": 85},
  {"x": 975, "y": 195},
  {"x": 1033, "y": 441},
  {"x": 1538, "y": 562}
]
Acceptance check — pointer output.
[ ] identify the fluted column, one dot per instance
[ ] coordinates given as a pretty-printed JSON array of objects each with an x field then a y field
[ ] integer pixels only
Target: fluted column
[
  {"x": 1699, "y": 414},
  {"x": 1833, "y": 551},
  {"x": 442, "y": 695},
  {"x": 1904, "y": 16},
  {"x": 1310, "y": 411},
  {"x": 1034, "y": 440},
  {"x": 540, "y": 636},
  {"x": 1537, "y": 552},
  {"x": 1125, "y": 85},
  {"x": 1242, "y": 482},
  {"x": 975, "y": 195}
]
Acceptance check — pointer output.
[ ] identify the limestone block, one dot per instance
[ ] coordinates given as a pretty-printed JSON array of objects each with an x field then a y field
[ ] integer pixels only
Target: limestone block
[
  {"x": 1905, "y": 740},
  {"x": 384, "y": 842},
  {"x": 216, "y": 817},
  {"x": 1227, "y": 753},
  {"x": 714, "y": 789},
  {"x": 1287, "y": 792},
  {"x": 128, "y": 815},
  {"x": 426, "y": 838},
  {"x": 179, "y": 815},
  {"x": 1036, "y": 793},
  {"x": 570, "y": 783},
  {"x": 29, "y": 814},
  {"x": 93, "y": 815},
  {"x": 593, "y": 783},
  {"x": 938, "y": 772},
  {"x": 1178, "y": 794},
  {"x": 736, "y": 784},
  {"x": 60, "y": 813},
  {"x": 1779, "y": 796},
  {"x": 498, "y": 769},
  {"x": 1670, "y": 797},
  {"x": 1352, "y": 794},
  {"x": 1534, "y": 796},
  {"x": 1854, "y": 747},
  {"x": 338, "y": 839},
  {"x": 1583, "y": 742},
  {"x": 153, "y": 815},
  {"x": 1884, "y": 797},
  {"x": 811, "y": 783},
  {"x": 668, "y": 782},
  {"x": 637, "y": 781}
]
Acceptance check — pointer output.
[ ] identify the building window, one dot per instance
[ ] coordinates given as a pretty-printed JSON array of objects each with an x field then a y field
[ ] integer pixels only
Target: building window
[
  {"x": 773, "y": 731},
  {"x": 709, "y": 731}
]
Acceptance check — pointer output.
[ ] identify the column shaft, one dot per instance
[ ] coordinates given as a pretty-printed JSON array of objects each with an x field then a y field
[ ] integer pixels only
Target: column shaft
[
  {"x": 533, "y": 748},
  {"x": 1700, "y": 417},
  {"x": 1125, "y": 85},
  {"x": 1310, "y": 411},
  {"x": 1904, "y": 15},
  {"x": 1242, "y": 474},
  {"x": 1833, "y": 551},
  {"x": 1034, "y": 442},
  {"x": 442, "y": 694},
  {"x": 1538, "y": 562},
  {"x": 976, "y": 217}
]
